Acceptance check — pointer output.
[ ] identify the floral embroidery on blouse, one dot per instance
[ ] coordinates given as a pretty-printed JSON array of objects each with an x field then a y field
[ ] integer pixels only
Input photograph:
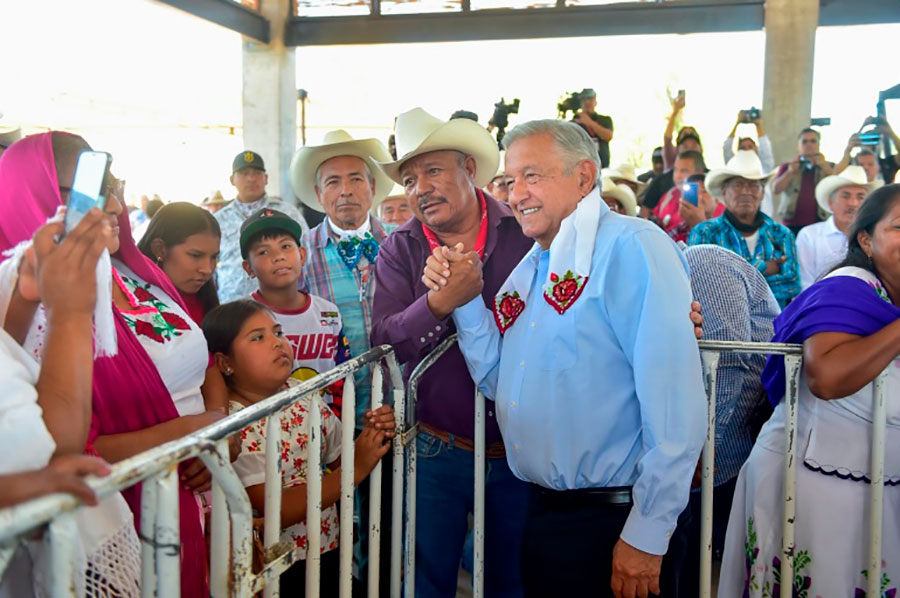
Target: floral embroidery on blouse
[
  {"x": 879, "y": 289},
  {"x": 150, "y": 317},
  {"x": 294, "y": 448}
]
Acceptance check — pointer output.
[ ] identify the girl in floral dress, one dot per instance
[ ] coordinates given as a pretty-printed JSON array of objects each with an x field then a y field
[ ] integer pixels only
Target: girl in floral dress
[
  {"x": 849, "y": 325},
  {"x": 251, "y": 352}
]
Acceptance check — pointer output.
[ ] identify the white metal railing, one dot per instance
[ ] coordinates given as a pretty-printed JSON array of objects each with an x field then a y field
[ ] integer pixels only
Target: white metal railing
[
  {"x": 231, "y": 542},
  {"x": 231, "y": 545},
  {"x": 710, "y": 351}
]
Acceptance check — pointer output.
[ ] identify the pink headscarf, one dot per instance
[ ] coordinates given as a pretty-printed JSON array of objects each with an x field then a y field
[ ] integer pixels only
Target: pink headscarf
[{"x": 128, "y": 393}]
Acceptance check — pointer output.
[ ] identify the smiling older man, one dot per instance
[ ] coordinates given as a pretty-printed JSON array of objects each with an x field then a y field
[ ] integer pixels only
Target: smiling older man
[
  {"x": 746, "y": 230},
  {"x": 443, "y": 166},
  {"x": 608, "y": 454}
]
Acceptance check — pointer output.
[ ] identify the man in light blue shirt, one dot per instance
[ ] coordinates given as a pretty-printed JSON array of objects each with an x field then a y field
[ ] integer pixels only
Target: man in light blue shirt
[{"x": 595, "y": 372}]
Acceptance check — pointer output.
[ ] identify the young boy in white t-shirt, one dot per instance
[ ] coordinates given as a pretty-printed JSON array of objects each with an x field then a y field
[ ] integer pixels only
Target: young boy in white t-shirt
[{"x": 270, "y": 246}]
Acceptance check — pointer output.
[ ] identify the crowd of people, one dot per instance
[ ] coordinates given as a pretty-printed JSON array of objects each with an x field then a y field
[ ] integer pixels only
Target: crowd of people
[{"x": 578, "y": 290}]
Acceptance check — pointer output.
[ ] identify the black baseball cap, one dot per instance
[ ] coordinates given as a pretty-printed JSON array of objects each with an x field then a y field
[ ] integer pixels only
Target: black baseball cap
[
  {"x": 247, "y": 159},
  {"x": 586, "y": 93},
  {"x": 267, "y": 219},
  {"x": 657, "y": 155}
]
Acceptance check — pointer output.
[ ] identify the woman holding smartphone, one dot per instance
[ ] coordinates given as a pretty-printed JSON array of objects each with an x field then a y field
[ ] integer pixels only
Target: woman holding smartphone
[{"x": 152, "y": 390}]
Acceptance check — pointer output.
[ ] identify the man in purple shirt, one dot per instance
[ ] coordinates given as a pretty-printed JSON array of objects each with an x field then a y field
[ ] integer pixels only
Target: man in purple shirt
[{"x": 442, "y": 167}]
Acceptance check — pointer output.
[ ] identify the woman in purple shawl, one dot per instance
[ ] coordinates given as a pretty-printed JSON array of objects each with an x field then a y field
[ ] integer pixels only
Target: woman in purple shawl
[
  {"x": 133, "y": 408},
  {"x": 849, "y": 326}
]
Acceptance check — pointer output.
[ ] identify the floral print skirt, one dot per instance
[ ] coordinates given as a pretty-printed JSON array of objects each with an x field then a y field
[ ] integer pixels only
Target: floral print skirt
[{"x": 831, "y": 533}]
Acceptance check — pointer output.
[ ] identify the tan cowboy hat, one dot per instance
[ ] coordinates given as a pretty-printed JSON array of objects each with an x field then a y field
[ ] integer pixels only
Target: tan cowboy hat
[
  {"x": 852, "y": 175},
  {"x": 418, "y": 132},
  {"x": 9, "y": 134},
  {"x": 621, "y": 193},
  {"x": 215, "y": 198},
  {"x": 337, "y": 143},
  {"x": 744, "y": 164},
  {"x": 624, "y": 172}
]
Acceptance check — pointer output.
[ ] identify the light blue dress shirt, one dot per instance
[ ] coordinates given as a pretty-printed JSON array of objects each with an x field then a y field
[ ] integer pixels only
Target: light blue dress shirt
[{"x": 609, "y": 393}]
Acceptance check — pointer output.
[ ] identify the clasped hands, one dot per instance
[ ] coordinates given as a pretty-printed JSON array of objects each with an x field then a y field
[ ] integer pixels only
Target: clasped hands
[{"x": 453, "y": 277}]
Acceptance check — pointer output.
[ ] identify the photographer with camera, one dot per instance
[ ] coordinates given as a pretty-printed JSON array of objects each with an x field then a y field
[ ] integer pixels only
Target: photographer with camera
[
  {"x": 879, "y": 170},
  {"x": 794, "y": 189},
  {"x": 598, "y": 126},
  {"x": 763, "y": 150}
]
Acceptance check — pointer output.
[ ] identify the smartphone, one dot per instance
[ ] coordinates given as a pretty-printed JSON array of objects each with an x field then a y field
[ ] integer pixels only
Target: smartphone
[
  {"x": 87, "y": 187},
  {"x": 681, "y": 94},
  {"x": 690, "y": 192},
  {"x": 870, "y": 138}
]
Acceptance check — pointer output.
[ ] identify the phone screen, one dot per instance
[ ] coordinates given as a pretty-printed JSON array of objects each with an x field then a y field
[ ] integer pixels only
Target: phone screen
[
  {"x": 87, "y": 186},
  {"x": 690, "y": 192}
]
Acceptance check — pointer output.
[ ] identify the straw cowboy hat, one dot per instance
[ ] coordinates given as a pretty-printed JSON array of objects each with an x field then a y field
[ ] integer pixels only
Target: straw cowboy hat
[
  {"x": 215, "y": 199},
  {"x": 418, "y": 132},
  {"x": 624, "y": 172},
  {"x": 9, "y": 134},
  {"x": 621, "y": 193},
  {"x": 337, "y": 143},
  {"x": 852, "y": 175},
  {"x": 744, "y": 164},
  {"x": 396, "y": 191}
]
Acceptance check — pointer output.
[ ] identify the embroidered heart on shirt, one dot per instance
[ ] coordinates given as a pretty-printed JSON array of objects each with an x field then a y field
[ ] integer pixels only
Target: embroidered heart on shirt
[
  {"x": 562, "y": 292},
  {"x": 507, "y": 307}
]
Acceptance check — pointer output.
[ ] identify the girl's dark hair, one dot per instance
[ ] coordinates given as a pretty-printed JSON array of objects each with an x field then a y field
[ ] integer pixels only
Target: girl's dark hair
[
  {"x": 873, "y": 209},
  {"x": 223, "y": 323},
  {"x": 174, "y": 223}
]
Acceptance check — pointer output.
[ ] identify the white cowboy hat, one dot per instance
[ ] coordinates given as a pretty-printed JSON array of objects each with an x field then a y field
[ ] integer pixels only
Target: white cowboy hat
[
  {"x": 9, "y": 134},
  {"x": 745, "y": 164},
  {"x": 621, "y": 193},
  {"x": 852, "y": 175},
  {"x": 418, "y": 132},
  {"x": 337, "y": 143},
  {"x": 396, "y": 191},
  {"x": 622, "y": 171}
]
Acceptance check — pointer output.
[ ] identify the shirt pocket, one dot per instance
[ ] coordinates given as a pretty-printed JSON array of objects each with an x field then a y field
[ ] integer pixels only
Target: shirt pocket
[{"x": 559, "y": 332}]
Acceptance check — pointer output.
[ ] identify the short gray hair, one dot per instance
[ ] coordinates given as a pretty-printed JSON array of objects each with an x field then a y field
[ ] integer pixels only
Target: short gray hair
[{"x": 573, "y": 142}]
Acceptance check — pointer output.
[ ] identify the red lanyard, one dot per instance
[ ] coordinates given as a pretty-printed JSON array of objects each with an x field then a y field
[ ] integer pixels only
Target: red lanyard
[{"x": 480, "y": 241}]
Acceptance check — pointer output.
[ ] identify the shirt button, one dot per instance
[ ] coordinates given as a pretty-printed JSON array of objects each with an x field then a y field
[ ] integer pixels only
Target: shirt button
[
  {"x": 438, "y": 328},
  {"x": 522, "y": 363},
  {"x": 533, "y": 324},
  {"x": 490, "y": 414},
  {"x": 516, "y": 446},
  {"x": 513, "y": 404},
  {"x": 422, "y": 339},
  {"x": 430, "y": 334}
]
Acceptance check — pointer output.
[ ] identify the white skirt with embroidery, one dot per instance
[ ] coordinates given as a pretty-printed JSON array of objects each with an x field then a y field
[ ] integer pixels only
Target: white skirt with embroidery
[{"x": 831, "y": 530}]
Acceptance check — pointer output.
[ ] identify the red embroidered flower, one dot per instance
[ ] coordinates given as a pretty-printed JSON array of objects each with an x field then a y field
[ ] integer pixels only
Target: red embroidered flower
[
  {"x": 142, "y": 294},
  {"x": 554, "y": 277},
  {"x": 143, "y": 328},
  {"x": 511, "y": 306},
  {"x": 565, "y": 290},
  {"x": 175, "y": 321}
]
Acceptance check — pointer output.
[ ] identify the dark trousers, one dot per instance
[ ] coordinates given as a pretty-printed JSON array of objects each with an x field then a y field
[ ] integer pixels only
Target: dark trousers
[
  {"x": 293, "y": 581},
  {"x": 722, "y": 498},
  {"x": 567, "y": 550}
]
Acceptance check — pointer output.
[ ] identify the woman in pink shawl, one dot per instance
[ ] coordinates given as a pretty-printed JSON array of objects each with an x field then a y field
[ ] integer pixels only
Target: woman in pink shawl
[{"x": 148, "y": 393}]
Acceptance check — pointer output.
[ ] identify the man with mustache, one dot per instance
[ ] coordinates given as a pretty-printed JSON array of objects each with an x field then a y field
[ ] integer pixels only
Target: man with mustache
[
  {"x": 746, "y": 230},
  {"x": 442, "y": 167},
  {"x": 341, "y": 179},
  {"x": 823, "y": 244}
]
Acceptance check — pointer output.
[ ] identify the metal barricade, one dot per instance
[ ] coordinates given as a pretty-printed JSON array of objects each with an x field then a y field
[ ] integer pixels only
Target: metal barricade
[
  {"x": 231, "y": 528},
  {"x": 710, "y": 351}
]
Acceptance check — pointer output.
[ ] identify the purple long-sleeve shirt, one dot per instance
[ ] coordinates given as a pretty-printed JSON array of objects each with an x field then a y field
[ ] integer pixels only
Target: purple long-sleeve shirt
[{"x": 401, "y": 317}]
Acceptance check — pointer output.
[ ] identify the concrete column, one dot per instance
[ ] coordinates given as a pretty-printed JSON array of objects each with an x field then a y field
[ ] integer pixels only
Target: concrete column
[
  {"x": 270, "y": 100},
  {"x": 790, "y": 51}
]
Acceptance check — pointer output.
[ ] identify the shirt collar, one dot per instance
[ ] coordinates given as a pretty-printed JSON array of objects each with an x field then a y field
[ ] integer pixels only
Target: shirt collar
[
  {"x": 831, "y": 228},
  {"x": 322, "y": 233}
]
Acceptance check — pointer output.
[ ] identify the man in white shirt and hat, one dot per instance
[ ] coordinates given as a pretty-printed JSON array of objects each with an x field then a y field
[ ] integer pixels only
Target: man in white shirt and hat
[
  {"x": 822, "y": 245},
  {"x": 619, "y": 197},
  {"x": 498, "y": 188},
  {"x": 248, "y": 175},
  {"x": 394, "y": 209}
]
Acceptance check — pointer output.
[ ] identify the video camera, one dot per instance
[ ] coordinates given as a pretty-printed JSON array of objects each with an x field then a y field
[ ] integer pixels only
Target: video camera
[
  {"x": 750, "y": 115},
  {"x": 500, "y": 117},
  {"x": 571, "y": 102}
]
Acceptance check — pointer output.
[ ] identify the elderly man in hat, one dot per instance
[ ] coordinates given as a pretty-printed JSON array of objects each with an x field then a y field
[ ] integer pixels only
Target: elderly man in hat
[
  {"x": 619, "y": 197},
  {"x": 248, "y": 175},
  {"x": 442, "y": 167},
  {"x": 822, "y": 245},
  {"x": 598, "y": 126},
  {"x": 341, "y": 179},
  {"x": 746, "y": 230},
  {"x": 498, "y": 188},
  {"x": 394, "y": 209},
  {"x": 567, "y": 350}
]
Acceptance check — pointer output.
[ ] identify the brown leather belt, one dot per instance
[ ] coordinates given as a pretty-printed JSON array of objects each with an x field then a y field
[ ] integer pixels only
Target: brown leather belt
[{"x": 495, "y": 450}]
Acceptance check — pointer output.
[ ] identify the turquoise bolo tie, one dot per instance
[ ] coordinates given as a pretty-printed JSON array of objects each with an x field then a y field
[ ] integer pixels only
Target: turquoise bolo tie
[{"x": 353, "y": 248}]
